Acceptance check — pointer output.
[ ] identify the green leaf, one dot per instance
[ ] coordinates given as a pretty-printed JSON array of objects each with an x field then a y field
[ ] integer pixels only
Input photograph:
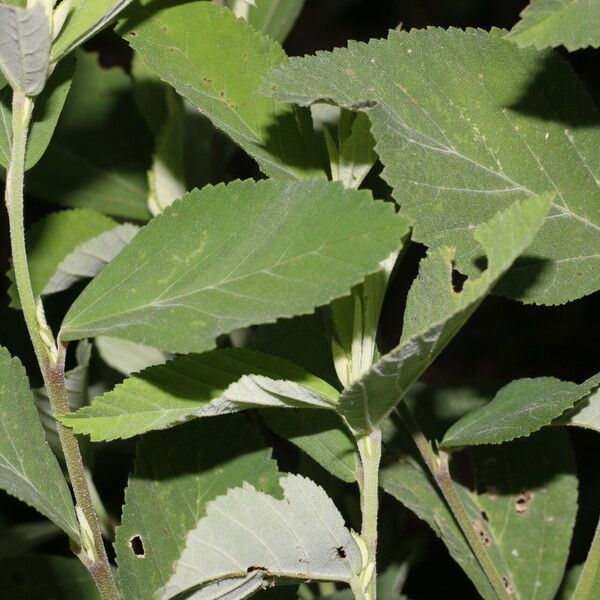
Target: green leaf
[
  {"x": 205, "y": 385},
  {"x": 90, "y": 257},
  {"x": 24, "y": 47},
  {"x": 86, "y": 18},
  {"x": 46, "y": 112},
  {"x": 574, "y": 24},
  {"x": 127, "y": 357},
  {"x": 176, "y": 473},
  {"x": 100, "y": 153},
  {"x": 52, "y": 239},
  {"x": 301, "y": 536},
  {"x": 28, "y": 469},
  {"x": 46, "y": 577},
  {"x": 466, "y": 123},
  {"x": 230, "y": 256},
  {"x": 585, "y": 414},
  {"x": 523, "y": 506},
  {"x": 320, "y": 434},
  {"x": 275, "y": 18},
  {"x": 217, "y": 62},
  {"x": 435, "y": 312},
  {"x": 519, "y": 409}
]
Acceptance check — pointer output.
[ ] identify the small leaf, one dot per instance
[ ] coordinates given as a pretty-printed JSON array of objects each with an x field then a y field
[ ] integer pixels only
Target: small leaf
[
  {"x": 87, "y": 17},
  {"x": 356, "y": 148},
  {"x": 320, "y": 434},
  {"x": 574, "y": 24},
  {"x": 28, "y": 469},
  {"x": 519, "y": 409},
  {"x": 89, "y": 258},
  {"x": 205, "y": 385},
  {"x": 46, "y": 577},
  {"x": 275, "y": 18},
  {"x": 176, "y": 474},
  {"x": 53, "y": 238},
  {"x": 100, "y": 153},
  {"x": 24, "y": 47},
  {"x": 127, "y": 357},
  {"x": 217, "y": 62},
  {"x": 523, "y": 506},
  {"x": 209, "y": 265},
  {"x": 466, "y": 123},
  {"x": 435, "y": 312},
  {"x": 300, "y": 537}
]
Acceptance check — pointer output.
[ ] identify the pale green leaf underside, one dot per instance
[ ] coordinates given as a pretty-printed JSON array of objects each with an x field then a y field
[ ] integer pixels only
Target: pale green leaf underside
[
  {"x": 528, "y": 491},
  {"x": 574, "y": 24},
  {"x": 28, "y": 469},
  {"x": 466, "y": 122},
  {"x": 585, "y": 414},
  {"x": 205, "y": 385},
  {"x": 298, "y": 537},
  {"x": 90, "y": 257},
  {"x": 217, "y": 62},
  {"x": 24, "y": 47},
  {"x": 52, "y": 239},
  {"x": 230, "y": 256},
  {"x": 127, "y": 357},
  {"x": 435, "y": 312},
  {"x": 275, "y": 17},
  {"x": 519, "y": 409},
  {"x": 176, "y": 473},
  {"x": 85, "y": 19}
]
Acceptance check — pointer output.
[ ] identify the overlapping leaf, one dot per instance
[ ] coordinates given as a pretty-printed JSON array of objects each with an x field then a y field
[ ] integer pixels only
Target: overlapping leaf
[
  {"x": 465, "y": 123},
  {"x": 523, "y": 506},
  {"x": 301, "y": 536},
  {"x": 275, "y": 18},
  {"x": 217, "y": 62},
  {"x": 100, "y": 152},
  {"x": 585, "y": 414},
  {"x": 435, "y": 312},
  {"x": 176, "y": 474},
  {"x": 127, "y": 357},
  {"x": 52, "y": 239},
  {"x": 230, "y": 256},
  {"x": 572, "y": 23},
  {"x": 28, "y": 469},
  {"x": 519, "y": 409}
]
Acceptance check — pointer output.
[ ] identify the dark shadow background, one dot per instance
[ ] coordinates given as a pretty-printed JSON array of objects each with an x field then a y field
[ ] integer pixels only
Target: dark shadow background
[{"x": 503, "y": 341}]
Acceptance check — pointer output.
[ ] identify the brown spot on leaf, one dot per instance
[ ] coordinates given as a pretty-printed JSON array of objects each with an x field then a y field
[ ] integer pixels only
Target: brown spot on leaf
[
  {"x": 522, "y": 502},
  {"x": 481, "y": 531}
]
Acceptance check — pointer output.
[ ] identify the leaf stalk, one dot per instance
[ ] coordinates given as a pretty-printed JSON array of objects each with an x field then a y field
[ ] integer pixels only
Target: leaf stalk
[{"x": 50, "y": 354}]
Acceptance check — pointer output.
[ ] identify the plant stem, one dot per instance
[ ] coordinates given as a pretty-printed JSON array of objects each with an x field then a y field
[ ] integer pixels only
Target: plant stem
[
  {"x": 589, "y": 579},
  {"x": 369, "y": 448},
  {"x": 51, "y": 358},
  {"x": 439, "y": 468}
]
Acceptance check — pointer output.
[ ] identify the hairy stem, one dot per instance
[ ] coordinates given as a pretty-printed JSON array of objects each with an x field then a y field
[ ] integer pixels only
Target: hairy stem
[
  {"x": 50, "y": 356},
  {"x": 439, "y": 468},
  {"x": 589, "y": 579},
  {"x": 369, "y": 448}
]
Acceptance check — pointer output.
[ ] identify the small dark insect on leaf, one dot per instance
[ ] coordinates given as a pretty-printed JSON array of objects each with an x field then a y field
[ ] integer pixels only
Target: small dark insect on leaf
[{"x": 341, "y": 551}]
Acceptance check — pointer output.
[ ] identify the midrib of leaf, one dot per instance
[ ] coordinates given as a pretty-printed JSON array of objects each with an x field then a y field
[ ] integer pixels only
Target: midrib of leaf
[{"x": 172, "y": 301}]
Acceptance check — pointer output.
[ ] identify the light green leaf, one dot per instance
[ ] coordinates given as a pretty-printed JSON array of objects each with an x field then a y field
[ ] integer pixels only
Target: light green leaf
[
  {"x": 230, "y": 256},
  {"x": 320, "y": 434},
  {"x": 46, "y": 577},
  {"x": 519, "y": 409},
  {"x": 24, "y": 47},
  {"x": 585, "y": 414},
  {"x": 300, "y": 537},
  {"x": 87, "y": 17},
  {"x": 217, "y": 62},
  {"x": 46, "y": 112},
  {"x": 53, "y": 238},
  {"x": 205, "y": 385},
  {"x": 435, "y": 312},
  {"x": 90, "y": 257},
  {"x": 100, "y": 153},
  {"x": 176, "y": 473},
  {"x": 275, "y": 18},
  {"x": 466, "y": 123},
  {"x": 574, "y": 24},
  {"x": 523, "y": 506},
  {"x": 127, "y": 357},
  {"x": 76, "y": 383},
  {"x": 28, "y": 469}
]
